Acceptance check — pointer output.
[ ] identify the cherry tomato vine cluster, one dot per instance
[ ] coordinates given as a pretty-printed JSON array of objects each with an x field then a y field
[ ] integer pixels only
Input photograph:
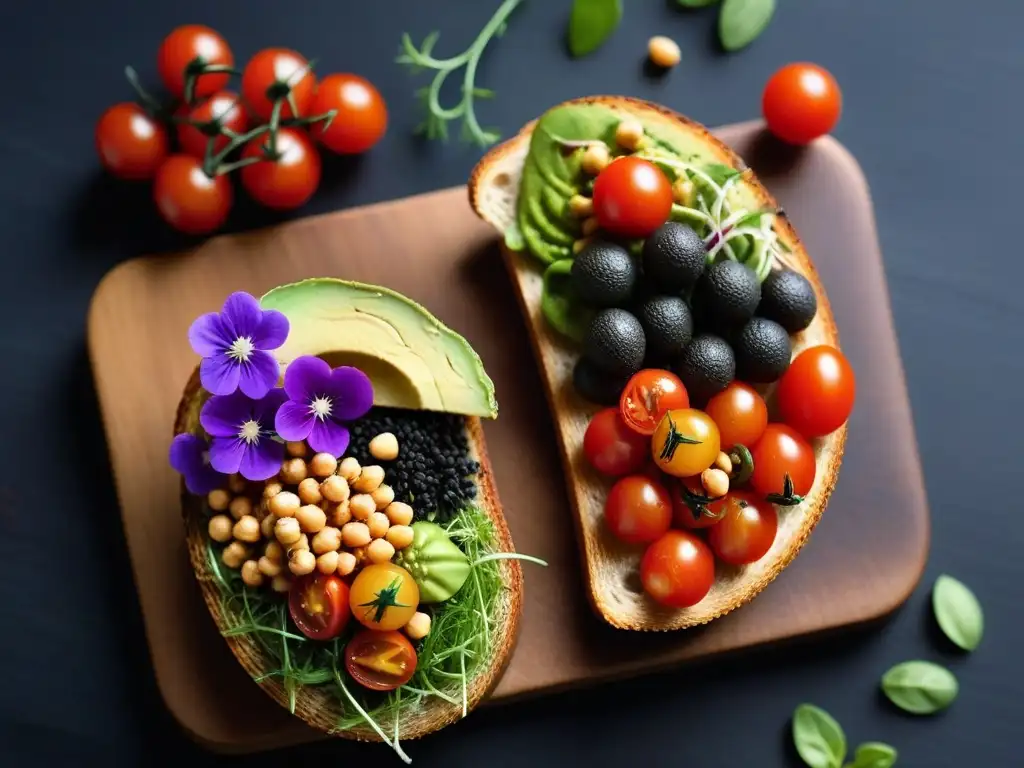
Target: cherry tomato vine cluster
[{"x": 267, "y": 131}]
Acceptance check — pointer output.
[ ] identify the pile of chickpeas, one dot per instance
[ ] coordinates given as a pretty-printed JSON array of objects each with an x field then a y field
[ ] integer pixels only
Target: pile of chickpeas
[{"x": 316, "y": 514}]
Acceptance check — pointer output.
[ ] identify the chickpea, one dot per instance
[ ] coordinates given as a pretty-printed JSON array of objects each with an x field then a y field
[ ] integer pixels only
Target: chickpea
[
  {"x": 327, "y": 562},
  {"x": 234, "y": 554},
  {"x": 219, "y": 528},
  {"x": 311, "y": 518},
  {"x": 590, "y": 226},
  {"x": 247, "y": 529},
  {"x": 338, "y": 514},
  {"x": 399, "y": 513},
  {"x": 285, "y": 504},
  {"x": 281, "y": 583},
  {"x": 309, "y": 491},
  {"x": 379, "y": 551},
  {"x": 251, "y": 574},
  {"x": 595, "y": 158},
  {"x": 240, "y": 506},
  {"x": 349, "y": 469},
  {"x": 400, "y": 536},
  {"x": 323, "y": 465},
  {"x": 346, "y": 563},
  {"x": 267, "y": 526},
  {"x": 297, "y": 449},
  {"x": 237, "y": 483},
  {"x": 418, "y": 626},
  {"x": 383, "y": 496},
  {"x": 274, "y": 551},
  {"x": 301, "y": 562},
  {"x": 663, "y": 51},
  {"x": 287, "y": 530},
  {"x": 683, "y": 191},
  {"x": 724, "y": 463},
  {"x": 378, "y": 525},
  {"x": 268, "y": 567},
  {"x": 715, "y": 482},
  {"x": 628, "y": 134},
  {"x": 355, "y": 535},
  {"x": 581, "y": 207},
  {"x": 362, "y": 506},
  {"x": 300, "y": 543},
  {"x": 335, "y": 488},
  {"x": 359, "y": 553},
  {"x": 218, "y": 500},
  {"x": 369, "y": 479},
  {"x": 384, "y": 447},
  {"x": 293, "y": 471},
  {"x": 579, "y": 245},
  {"x": 271, "y": 489},
  {"x": 328, "y": 540}
]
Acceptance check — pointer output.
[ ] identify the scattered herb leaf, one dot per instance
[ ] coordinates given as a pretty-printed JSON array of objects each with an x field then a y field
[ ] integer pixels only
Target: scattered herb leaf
[
  {"x": 818, "y": 738},
  {"x": 720, "y": 173},
  {"x": 920, "y": 687},
  {"x": 958, "y": 612},
  {"x": 591, "y": 22},
  {"x": 741, "y": 21},
  {"x": 874, "y": 754}
]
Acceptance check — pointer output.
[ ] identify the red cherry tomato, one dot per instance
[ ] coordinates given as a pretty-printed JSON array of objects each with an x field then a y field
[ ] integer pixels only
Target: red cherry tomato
[
  {"x": 632, "y": 197},
  {"x": 817, "y": 391},
  {"x": 638, "y": 511},
  {"x": 648, "y": 395},
  {"x": 747, "y": 530},
  {"x": 380, "y": 661},
  {"x": 362, "y": 116},
  {"x": 611, "y": 447},
  {"x": 318, "y": 604},
  {"x": 801, "y": 102},
  {"x": 689, "y": 510},
  {"x": 189, "y": 47},
  {"x": 740, "y": 413},
  {"x": 274, "y": 72},
  {"x": 130, "y": 143},
  {"x": 678, "y": 569},
  {"x": 290, "y": 180},
  {"x": 188, "y": 199},
  {"x": 782, "y": 452},
  {"x": 223, "y": 109}
]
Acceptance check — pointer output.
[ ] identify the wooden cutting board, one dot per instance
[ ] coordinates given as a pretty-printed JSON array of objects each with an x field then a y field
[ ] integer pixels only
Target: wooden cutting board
[{"x": 862, "y": 562}]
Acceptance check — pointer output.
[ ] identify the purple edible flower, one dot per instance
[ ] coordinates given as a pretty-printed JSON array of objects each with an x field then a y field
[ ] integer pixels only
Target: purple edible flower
[
  {"x": 242, "y": 431},
  {"x": 319, "y": 401},
  {"x": 190, "y": 457},
  {"x": 234, "y": 344}
]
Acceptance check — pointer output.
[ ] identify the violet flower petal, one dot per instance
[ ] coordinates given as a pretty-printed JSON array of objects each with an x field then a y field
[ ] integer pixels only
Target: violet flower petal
[
  {"x": 226, "y": 454},
  {"x": 306, "y": 377},
  {"x": 207, "y": 335},
  {"x": 204, "y": 480},
  {"x": 219, "y": 375},
  {"x": 351, "y": 393},
  {"x": 328, "y": 436},
  {"x": 259, "y": 375},
  {"x": 272, "y": 331},
  {"x": 186, "y": 453},
  {"x": 262, "y": 460},
  {"x": 241, "y": 314},
  {"x": 294, "y": 421},
  {"x": 222, "y": 415}
]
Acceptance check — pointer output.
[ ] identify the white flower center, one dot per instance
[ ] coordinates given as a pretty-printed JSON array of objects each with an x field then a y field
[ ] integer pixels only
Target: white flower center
[
  {"x": 321, "y": 407},
  {"x": 249, "y": 431},
  {"x": 241, "y": 349}
]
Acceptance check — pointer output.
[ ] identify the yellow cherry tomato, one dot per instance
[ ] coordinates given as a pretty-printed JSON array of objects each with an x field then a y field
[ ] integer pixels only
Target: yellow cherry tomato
[
  {"x": 384, "y": 596},
  {"x": 685, "y": 442}
]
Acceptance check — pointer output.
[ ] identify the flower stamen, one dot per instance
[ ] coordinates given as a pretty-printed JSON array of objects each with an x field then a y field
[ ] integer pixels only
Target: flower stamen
[
  {"x": 249, "y": 431},
  {"x": 321, "y": 407},
  {"x": 241, "y": 349}
]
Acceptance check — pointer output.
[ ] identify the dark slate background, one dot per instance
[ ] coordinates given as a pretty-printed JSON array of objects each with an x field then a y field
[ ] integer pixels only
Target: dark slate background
[{"x": 933, "y": 113}]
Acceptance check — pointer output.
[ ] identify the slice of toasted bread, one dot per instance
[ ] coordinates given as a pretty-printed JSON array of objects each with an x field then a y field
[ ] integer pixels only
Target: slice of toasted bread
[
  {"x": 319, "y": 706},
  {"x": 611, "y": 567}
]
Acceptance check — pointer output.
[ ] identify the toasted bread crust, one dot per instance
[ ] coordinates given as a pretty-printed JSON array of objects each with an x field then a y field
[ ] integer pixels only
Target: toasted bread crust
[
  {"x": 312, "y": 704},
  {"x": 610, "y": 567}
]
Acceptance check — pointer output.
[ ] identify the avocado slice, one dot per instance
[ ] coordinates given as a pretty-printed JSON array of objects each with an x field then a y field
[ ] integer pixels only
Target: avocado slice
[
  {"x": 413, "y": 360},
  {"x": 543, "y": 250}
]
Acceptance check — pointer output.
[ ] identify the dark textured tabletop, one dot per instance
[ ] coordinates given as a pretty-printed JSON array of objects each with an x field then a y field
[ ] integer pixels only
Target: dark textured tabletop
[{"x": 933, "y": 114}]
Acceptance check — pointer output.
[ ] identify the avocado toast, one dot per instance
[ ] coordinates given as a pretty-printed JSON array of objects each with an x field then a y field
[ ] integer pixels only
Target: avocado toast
[{"x": 526, "y": 188}]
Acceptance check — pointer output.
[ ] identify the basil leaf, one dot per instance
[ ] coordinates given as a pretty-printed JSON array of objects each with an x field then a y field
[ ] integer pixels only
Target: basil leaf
[
  {"x": 695, "y": 3},
  {"x": 591, "y": 22},
  {"x": 741, "y": 21},
  {"x": 818, "y": 738},
  {"x": 920, "y": 687},
  {"x": 958, "y": 612},
  {"x": 720, "y": 173},
  {"x": 874, "y": 754}
]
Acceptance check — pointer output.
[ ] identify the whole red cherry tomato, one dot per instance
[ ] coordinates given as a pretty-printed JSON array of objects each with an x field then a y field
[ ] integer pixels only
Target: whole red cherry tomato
[
  {"x": 801, "y": 102},
  {"x": 782, "y": 453},
  {"x": 287, "y": 181},
  {"x": 678, "y": 569},
  {"x": 361, "y": 118},
  {"x": 611, "y": 447},
  {"x": 746, "y": 531},
  {"x": 690, "y": 505},
  {"x": 188, "y": 199},
  {"x": 637, "y": 510},
  {"x": 130, "y": 143},
  {"x": 632, "y": 197},
  {"x": 223, "y": 109},
  {"x": 817, "y": 391},
  {"x": 190, "y": 48},
  {"x": 740, "y": 413},
  {"x": 275, "y": 73}
]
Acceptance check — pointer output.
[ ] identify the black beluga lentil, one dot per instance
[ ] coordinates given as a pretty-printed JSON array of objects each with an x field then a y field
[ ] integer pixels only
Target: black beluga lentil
[{"x": 433, "y": 473}]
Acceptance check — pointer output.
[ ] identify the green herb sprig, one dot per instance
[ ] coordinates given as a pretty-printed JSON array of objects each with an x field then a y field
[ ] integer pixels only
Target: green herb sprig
[{"x": 821, "y": 742}]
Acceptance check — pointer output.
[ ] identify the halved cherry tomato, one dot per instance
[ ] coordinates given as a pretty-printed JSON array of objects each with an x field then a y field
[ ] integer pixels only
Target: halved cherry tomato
[
  {"x": 637, "y": 510},
  {"x": 780, "y": 453},
  {"x": 646, "y": 397},
  {"x": 274, "y": 73},
  {"x": 380, "y": 661},
  {"x": 362, "y": 117},
  {"x": 632, "y": 197},
  {"x": 678, "y": 569},
  {"x": 611, "y": 447},
  {"x": 817, "y": 391},
  {"x": 691, "y": 507},
  {"x": 290, "y": 180},
  {"x": 685, "y": 443},
  {"x": 740, "y": 413},
  {"x": 747, "y": 530},
  {"x": 318, "y": 604},
  {"x": 190, "y": 47},
  {"x": 223, "y": 109},
  {"x": 384, "y": 596},
  {"x": 801, "y": 102},
  {"x": 188, "y": 199},
  {"x": 130, "y": 143}
]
